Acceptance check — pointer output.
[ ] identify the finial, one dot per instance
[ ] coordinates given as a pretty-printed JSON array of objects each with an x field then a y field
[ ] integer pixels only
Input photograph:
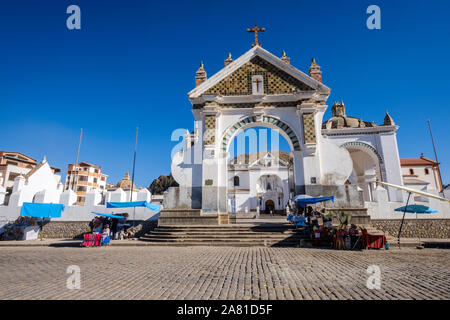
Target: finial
[
  {"x": 201, "y": 64},
  {"x": 229, "y": 55},
  {"x": 388, "y": 121},
  {"x": 283, "y": 53}
]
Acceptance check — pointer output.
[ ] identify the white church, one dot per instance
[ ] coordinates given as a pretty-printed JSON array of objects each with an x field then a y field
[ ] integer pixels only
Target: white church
[{"x": 343, "y": 156}]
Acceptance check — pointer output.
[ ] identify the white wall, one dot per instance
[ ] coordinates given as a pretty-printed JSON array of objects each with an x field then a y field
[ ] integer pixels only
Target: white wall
[{"x": 384, "y": 209}]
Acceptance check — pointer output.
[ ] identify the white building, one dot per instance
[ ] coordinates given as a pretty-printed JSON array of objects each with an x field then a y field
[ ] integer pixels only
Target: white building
[
  {"x": 270, "y": 172},
  {"x": 39, "y": 185},
  {"x": 422, "y": 174},
  {"x": 12, "y": 165}
]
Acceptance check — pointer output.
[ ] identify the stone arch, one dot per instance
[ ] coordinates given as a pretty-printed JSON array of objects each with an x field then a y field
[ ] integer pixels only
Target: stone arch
[
  {"x": 266, "y": 121},
  {"x": 362, "y": 145},
  {"x": 367, "y": 167}
]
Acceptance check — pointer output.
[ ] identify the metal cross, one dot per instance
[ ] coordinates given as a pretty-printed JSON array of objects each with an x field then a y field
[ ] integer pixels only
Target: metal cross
[{"x": 255, "y": 29}]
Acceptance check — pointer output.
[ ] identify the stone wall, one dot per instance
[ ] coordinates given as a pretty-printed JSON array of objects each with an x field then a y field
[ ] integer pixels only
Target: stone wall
[
  {"x": 76, "y": 229},
  {"x": 428, "y": 228}
]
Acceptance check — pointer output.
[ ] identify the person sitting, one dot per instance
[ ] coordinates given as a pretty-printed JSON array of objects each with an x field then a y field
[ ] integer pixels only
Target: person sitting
[
  {"x": 354, "y": 234},
  {"x": 316, "y": 239},
  {"x": 106, "y": 235}
]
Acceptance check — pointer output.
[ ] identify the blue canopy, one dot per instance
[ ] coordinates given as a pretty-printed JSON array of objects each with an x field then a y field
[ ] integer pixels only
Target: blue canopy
[
  {"x": 153, "y": 207},
  {"x": 304, "y": 199},
  {"x": 41, "y": 210},
  {"x": 416, "y": 208},
  {"x": 108, "y": 215}
]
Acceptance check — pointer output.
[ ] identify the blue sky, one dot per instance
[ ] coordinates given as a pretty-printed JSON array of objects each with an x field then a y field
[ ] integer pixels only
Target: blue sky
[{"x": 133, "y": 62}]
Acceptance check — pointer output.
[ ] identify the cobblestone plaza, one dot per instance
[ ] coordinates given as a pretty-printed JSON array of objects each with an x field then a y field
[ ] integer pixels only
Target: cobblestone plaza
[{"x": 222, "y": 273}]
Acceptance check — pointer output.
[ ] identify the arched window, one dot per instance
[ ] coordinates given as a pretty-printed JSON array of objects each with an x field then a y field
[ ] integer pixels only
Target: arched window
[
  {"x": 427, "y": 171},
  {"x": 236, "y": 181},
  {"x": 411, "y": 171}
]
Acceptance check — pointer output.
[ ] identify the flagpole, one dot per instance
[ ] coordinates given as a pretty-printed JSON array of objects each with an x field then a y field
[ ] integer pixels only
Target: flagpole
[
  {"x": 132, "y": 175},
  {"x": 76, "y": 164},
  {"x": 435, "y": 153}
]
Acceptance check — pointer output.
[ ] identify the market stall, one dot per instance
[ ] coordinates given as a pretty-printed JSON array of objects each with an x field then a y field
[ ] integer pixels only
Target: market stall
[{"x": 32, "y": 218}]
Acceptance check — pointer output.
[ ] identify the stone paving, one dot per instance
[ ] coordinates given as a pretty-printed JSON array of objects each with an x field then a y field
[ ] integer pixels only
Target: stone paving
[{"x": 222, "y": 273}]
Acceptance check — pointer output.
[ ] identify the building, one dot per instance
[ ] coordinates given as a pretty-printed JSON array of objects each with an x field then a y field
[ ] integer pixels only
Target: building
[
  {"x": 14, "y": 164},
  {"x": 126, "y": 190},
  {"x": 421, "y": 173},
  {"x": 270, "y": 172},
  {"x": 343, "y": 156},
  {"x": 39, "y": 185},
  {"x": 83, "y": 178}
]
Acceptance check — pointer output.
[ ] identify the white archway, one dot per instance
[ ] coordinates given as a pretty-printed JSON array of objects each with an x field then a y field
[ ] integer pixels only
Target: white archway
[{"x": 366, "y": 167}]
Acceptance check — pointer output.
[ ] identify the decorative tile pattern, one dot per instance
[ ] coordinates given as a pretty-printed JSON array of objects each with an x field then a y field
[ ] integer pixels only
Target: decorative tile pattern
[
  {"x": 276, "y": 81},
  {"x": 253, "y": 105},
  {"x": 309, "y": 130},
  {"x": 265, "y": 119},
  {"x": 210, "y": 130}
]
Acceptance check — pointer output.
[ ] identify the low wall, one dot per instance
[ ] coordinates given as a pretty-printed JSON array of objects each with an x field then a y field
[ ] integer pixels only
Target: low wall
[
  {"x": 84, "y": 213},
  {"x": 75, "y": 229},
  {"x": 428, "y": 228}
]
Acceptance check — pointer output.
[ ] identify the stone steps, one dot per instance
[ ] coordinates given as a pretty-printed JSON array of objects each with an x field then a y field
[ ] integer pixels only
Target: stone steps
[{"x": 228, "y": 235}]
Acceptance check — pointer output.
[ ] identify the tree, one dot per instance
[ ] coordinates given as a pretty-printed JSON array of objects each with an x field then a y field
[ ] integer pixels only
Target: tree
[{"x": 162, "y": 183}]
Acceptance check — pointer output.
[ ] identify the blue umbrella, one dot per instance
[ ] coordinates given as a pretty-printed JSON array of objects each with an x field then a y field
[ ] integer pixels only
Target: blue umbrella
[
  {"x": 416, "y": 208},
  {"x": 413, "y": 208}
]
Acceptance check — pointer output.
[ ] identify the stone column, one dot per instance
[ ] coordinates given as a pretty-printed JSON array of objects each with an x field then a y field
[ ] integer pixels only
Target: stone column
[
  {"x": 213, "y": 183},
  {"x": 310, "y": 117}
]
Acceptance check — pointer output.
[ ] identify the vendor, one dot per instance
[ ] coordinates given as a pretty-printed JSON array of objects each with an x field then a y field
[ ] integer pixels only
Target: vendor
[{"x": 106, "y": 235}]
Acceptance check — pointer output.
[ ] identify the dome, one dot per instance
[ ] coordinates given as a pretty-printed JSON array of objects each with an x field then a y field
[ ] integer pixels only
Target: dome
[
  {"x": 340, "y": 120},
  {"x": 125, "y": 183}
]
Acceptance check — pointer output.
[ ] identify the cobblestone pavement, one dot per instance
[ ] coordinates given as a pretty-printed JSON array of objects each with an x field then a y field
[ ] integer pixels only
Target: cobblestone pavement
[{"x": 222, "y": 273}]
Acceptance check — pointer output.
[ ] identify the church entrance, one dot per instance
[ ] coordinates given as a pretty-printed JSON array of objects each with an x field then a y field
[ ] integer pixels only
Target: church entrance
[{"x": 270, "y": 207}]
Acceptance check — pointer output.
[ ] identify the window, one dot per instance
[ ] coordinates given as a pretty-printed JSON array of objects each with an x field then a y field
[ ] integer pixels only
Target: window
[
  {"x": 236, "y": 181},
  {"x": 12, "y": 176},
  {"x": 411, "y": 171},
  {"x": 257, "y": 84},
  {"x": 427, "y": 171}
]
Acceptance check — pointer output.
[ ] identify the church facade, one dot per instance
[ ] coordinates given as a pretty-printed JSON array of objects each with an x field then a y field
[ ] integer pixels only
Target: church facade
[
  {"x": 328, "y": 157},
  {"x": 260, "y": 181}
]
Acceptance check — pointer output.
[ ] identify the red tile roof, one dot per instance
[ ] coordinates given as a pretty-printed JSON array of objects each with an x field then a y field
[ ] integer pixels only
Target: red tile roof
[{"x": 417, "y": 162}]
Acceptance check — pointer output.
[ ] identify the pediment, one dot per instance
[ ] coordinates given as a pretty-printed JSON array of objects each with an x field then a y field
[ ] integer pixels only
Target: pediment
[{"x": 279, "y": 77}]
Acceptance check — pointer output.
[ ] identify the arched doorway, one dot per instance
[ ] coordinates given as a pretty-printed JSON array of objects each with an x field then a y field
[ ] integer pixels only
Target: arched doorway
[
  {"x": 269, "y": 207},
  {"x": 263, "y": 161},
  {"x": 367, "y": 167}
]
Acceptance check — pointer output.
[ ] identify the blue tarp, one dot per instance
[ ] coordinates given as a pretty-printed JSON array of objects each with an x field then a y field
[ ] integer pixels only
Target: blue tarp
[
  {"x": 303, "y": 200},
  {"x": 41, "y": 210},
  {"x": 153, "y": 207},
  {"x": 108, "y": 215}
]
